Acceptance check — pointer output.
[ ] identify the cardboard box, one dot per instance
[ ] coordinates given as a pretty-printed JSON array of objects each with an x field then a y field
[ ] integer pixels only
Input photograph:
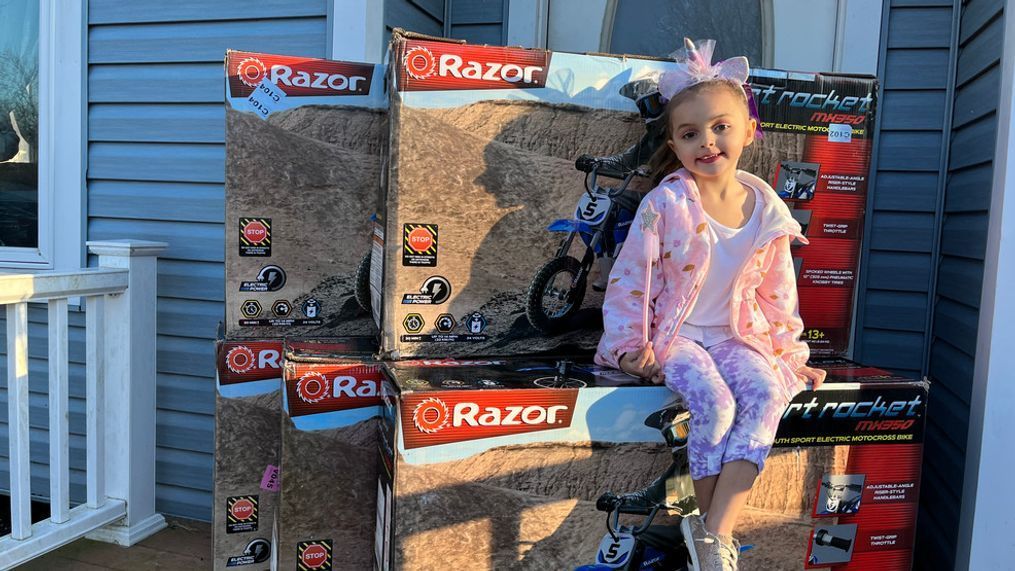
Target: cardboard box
[
  {"x": 864, "y": 506},
  {"x": 484, "y": 467},
  {"x": 481, "y": 162},
  {"x": 816, "y": 154},
  {"x": 247, "y": 412},
  {"x": 331, "y": 404},
  {"x": 304, "y": 144},
  {"x": 483, "y": 190}
]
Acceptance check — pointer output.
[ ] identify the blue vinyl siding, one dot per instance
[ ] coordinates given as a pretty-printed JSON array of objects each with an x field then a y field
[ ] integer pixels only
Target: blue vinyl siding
[
  {"x": 479, "y": 21},
  {"x": 962, "y": 238},
  {"x": 424, "y": 17},
  {"x": 156, "y": 166},
  {"x": 475, "y": 21},
  {"x": 923, "y": 259},
  {"x": 903, "y": 220}
]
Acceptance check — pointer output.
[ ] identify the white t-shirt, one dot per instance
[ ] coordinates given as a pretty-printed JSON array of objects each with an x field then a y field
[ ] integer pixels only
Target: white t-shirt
[{"x": 732, "y": 248}]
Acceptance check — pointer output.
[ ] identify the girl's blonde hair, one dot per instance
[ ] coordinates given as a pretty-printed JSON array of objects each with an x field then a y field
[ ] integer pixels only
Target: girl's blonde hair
[{"x": 664, "y": 160}]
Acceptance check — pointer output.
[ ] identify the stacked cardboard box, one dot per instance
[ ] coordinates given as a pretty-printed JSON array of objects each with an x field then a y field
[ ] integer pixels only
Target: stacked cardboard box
[
  {"x": 498, "y": 464},
  {"x": 330, "y": 410},
  {"x": 483, "y": 189},
  {"x": 247, "y": 409},
  {"x": 304, "y": 145}
]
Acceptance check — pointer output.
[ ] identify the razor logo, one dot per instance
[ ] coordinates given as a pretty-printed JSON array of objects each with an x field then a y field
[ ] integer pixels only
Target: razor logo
[
  {"x": 446, "y": 419},
  {"x": 428, "y": 65},
  {"x": 323, "y": 388},
  {"x": 240, "y": 359},
  {"x": 315, "y": 80},
  {"x": 250, "y": 71},
  {"x": 449, "y": 363},
  {"x": 256, "y": 360},
  {"x": 312, "y": 387},
  {"x": 455, "y": 66},
  {"x": 418, "y": 62},
  {"x": 351, "y": 387},
  {"x": 297, "y": 76},
  {"x": 431, "y": 415},
  {"x": 469, "y": 413}
]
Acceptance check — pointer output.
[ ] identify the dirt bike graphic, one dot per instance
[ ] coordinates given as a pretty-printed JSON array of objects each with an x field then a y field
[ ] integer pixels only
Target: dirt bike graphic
[{"x": 601, "y": 219}]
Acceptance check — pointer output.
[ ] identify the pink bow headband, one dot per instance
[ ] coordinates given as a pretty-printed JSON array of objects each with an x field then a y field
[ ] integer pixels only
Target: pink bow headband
[{"x": 694, "y": 66}]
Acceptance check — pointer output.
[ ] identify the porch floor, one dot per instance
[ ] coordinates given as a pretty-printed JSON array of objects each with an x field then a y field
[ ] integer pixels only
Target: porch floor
[{"x": 184, "y": 545}]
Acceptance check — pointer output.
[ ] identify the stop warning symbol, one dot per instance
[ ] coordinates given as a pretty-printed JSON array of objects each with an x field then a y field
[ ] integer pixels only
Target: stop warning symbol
[
  {"x": 419, "y": 246},
  {"x": 420, "y": 240},
  {"x": 314, "y": 555},
  {"x": 255, "y": 232},
  {"x": 242, "y": 509}
]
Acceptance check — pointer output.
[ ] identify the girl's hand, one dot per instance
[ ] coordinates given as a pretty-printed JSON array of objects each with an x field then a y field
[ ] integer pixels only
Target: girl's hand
[
  {"x": 815, "y": 376},
  {"x": 642, "y": 364}
]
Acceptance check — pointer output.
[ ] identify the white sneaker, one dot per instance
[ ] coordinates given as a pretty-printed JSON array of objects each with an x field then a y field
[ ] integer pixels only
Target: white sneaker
[{"x": 706, "y": 551}]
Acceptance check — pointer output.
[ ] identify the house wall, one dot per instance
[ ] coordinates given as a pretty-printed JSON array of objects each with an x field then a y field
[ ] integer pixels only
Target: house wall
[
  {"x": 920, "y": 291},
  {"x": 475, "y": 21}
]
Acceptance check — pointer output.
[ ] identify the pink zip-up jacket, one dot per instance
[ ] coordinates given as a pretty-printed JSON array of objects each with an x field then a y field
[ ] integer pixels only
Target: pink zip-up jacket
[{"x": 655, "y": 280}]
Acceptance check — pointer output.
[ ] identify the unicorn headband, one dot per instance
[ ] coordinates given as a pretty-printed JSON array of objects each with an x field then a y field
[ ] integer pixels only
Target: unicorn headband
[{"x": 694, "y": 66}]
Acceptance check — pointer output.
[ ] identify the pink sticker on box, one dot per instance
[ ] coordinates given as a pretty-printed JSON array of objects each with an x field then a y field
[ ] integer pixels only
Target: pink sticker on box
[{"x": 271, "y": 481}]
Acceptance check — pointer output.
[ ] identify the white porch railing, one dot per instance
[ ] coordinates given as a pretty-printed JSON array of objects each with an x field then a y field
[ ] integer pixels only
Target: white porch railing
[{"x": 119, "y": 299}]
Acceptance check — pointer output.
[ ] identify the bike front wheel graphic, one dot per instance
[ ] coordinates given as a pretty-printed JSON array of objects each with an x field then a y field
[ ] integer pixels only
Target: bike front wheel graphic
[
  {"x": 362, "y": 292},
  {"x": 555, "y": 294}
]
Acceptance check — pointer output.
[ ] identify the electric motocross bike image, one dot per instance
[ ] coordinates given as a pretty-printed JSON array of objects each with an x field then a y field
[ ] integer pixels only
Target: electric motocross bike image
[
  {"x": 642, "y": 546},
  {"x": 601, "y": 220}
]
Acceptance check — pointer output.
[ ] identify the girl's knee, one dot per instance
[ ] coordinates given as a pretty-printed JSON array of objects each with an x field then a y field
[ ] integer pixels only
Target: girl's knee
[{"x": 711, "y": 427}]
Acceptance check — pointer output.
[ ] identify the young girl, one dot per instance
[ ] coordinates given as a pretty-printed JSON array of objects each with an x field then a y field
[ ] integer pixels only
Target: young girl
[{"x": 703, "y": 295}]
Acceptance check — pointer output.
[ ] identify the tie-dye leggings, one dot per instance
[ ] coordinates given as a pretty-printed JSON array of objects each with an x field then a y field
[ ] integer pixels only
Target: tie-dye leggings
[{"x": 735, "y": 402}]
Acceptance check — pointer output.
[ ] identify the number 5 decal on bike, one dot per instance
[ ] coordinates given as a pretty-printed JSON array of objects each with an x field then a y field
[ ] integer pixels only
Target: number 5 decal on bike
[
  {"x": 592, "y": 208},
  {"x": 601, "y": 221},
  {"x": 614, "y": 551}
]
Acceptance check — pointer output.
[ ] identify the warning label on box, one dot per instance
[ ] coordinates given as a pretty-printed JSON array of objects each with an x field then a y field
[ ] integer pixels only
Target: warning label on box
[
  {"x": 241, "y": 514},
  {"x": 255, "y": 237},
  {"x": 419, "y": 245}
]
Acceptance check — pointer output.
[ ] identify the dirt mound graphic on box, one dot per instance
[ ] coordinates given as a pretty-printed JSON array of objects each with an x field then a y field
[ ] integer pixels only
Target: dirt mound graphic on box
[
  {"x": 518, "y": 530},
  {"x": 538, "y": 507},
  {"x": 566, "y": 469},
  {"x": 246, "y": 444},
  {"x": 763, "y": 157},
  {"x": 324, "y": 187},
  {"x": 533, "y": 507},
  {"x": 557, "y": 130},
  {"x": 492, "y": 224},
  {"x": 357, "y": 129},
  {"x": 329, "y": 491}
]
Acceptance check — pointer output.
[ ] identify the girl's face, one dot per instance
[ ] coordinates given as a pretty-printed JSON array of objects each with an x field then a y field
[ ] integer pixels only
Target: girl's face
[{"x": 709, "y": 132}]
